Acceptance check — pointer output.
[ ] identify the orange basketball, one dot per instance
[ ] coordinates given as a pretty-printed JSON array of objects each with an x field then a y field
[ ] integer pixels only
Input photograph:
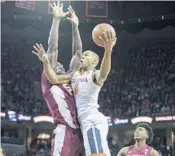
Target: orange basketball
[{"x": 98, "y": 30}]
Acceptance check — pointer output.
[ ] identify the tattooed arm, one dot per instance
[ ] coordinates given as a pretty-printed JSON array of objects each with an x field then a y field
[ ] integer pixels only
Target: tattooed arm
[
  {"x": 76, "y": 41},
  {"x": 54, "y": 32},
  {"x": 52, "y": 51}
]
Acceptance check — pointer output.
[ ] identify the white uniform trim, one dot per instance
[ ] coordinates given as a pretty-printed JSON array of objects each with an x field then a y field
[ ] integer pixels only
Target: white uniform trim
[{"x": 59, "y": 132}]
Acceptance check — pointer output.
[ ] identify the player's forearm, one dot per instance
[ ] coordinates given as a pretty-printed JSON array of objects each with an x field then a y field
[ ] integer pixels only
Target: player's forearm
[
  {"x": 53, "y": 41},
  {"x": 76, "y": 41},
  {"x": 49, "y": 72},
  {"x": 52, "y": 77},
  {"x": 105, "y": 65}
]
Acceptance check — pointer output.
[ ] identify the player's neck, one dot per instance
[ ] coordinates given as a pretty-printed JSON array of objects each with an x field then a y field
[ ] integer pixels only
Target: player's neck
[
  {"x": 82, "y": 71},
  {"x": 140, "y": 143}
]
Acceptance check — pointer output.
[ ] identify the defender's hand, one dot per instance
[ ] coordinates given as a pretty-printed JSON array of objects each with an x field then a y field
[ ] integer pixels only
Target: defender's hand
[
  {"x": 58, "y": 10},
  {"x": 40, "y": 52},
  {"x": 73, "y": 18},
  {"x": 108, "y": 41}
]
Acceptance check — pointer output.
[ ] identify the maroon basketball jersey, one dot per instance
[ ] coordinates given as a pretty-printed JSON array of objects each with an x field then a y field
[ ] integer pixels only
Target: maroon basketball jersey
[
  {"x": 144, "y": 151},
  {"x": 60, "y": 103}
]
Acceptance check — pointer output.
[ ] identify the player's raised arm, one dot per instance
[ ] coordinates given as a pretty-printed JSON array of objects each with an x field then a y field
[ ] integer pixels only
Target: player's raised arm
[
  {"x": 76, "y": 40},
  {"x": 49, "y": 72},
  {"x": 105, "y": 67},
  {"x": 54, "y": 32}
]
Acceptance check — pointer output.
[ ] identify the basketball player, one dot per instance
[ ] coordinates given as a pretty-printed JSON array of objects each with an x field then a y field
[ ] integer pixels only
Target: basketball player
[
  {"x": 86, "y": 84},
  {"x": 59, "y": 98},
  {"x": 143, "y": 135}
]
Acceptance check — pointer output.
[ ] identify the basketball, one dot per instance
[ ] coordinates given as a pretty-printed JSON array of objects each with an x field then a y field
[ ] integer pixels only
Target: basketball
[{"x": 98, "y": 30}]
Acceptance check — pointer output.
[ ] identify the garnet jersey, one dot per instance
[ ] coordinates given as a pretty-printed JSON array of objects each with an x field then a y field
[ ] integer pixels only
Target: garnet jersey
[
  {"x": 144, "y": 151},
  {"x": 60, "y": 102}
]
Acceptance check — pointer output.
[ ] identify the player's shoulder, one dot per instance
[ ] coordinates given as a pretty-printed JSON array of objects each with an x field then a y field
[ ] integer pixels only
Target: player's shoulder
[
  {"x": 95, "y": 73},
  {"x": 154, "y": 152},
  {"x": 123, "y": 151},
  {"x": 77, "y": 73},
  {"x": 126, "y": 148}
]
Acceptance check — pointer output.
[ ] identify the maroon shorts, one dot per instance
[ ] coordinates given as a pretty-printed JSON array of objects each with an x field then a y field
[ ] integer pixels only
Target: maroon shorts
[{"x": 67, "y": 142}]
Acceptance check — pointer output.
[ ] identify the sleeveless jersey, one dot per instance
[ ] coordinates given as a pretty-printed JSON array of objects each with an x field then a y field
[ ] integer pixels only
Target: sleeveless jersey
[
  {"x": 85, "y": 91},
  {"x": 144, "y": 151},
  {"x": 60, "y": 103}
]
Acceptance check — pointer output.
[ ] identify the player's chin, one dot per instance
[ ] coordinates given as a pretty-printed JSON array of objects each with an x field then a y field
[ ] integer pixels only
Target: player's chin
[
  {"x": 136, "y": 137},
  {"x": 81, "y": 65}
]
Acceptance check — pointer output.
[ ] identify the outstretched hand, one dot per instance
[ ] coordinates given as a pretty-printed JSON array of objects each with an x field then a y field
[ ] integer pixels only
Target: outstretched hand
[
  {"x": 73, "y": 18},
  {"x": 108, "y": 40},
  {"x": 40, "y": 52},
  {"x": 58, "y": 10}
]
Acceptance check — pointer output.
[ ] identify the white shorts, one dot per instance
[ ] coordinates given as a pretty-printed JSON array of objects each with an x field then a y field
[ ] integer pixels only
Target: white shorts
[
  {"x": 94, "y": 127},
  {"x": 66, "y": 142}
]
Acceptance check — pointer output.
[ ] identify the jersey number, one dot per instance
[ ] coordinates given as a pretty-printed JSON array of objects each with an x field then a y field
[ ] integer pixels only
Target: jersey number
[{"x": 76, "y": 88}]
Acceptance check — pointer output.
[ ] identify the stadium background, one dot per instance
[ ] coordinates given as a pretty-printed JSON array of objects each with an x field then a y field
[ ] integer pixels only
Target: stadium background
[{"x": 140, "y": 87}]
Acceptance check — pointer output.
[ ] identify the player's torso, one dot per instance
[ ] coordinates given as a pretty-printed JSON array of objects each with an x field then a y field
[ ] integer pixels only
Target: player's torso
[
  {"x": 144, "y": 151},
  {"x": 85, "y": 90},
  {"x": 61, "y": 104}
]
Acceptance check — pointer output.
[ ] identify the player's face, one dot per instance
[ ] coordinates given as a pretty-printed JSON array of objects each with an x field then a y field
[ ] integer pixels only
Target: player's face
[
  {"x": 86, "y": 60},
  {"x": 59, "y": 69},
  {"x": 140, "y": 133}
]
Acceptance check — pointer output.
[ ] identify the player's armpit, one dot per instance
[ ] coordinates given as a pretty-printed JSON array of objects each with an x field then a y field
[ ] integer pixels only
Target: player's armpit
[
  {"x": 154, "y": 153},
  {"x": 123, "y": 151}
]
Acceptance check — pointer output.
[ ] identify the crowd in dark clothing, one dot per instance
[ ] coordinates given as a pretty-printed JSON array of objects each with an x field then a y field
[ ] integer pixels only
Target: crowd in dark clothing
[{"x": 145, "y": 86}]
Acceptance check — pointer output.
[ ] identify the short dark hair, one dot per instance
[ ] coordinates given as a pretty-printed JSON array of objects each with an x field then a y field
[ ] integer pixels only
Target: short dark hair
[{"x": 149, "y": 130}]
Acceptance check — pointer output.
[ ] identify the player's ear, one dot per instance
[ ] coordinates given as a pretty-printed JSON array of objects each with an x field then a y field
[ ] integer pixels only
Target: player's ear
[{"x": 94, "y": 62}]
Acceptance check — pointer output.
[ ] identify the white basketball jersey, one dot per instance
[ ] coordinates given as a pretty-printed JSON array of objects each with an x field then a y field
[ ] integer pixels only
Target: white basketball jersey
[{"x": 85, "y": 91}]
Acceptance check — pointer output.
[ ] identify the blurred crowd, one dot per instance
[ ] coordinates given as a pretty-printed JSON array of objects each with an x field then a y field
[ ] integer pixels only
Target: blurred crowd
[
  {"x": 143, "y": 86},
  {"x": 17, "y": 82}
]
